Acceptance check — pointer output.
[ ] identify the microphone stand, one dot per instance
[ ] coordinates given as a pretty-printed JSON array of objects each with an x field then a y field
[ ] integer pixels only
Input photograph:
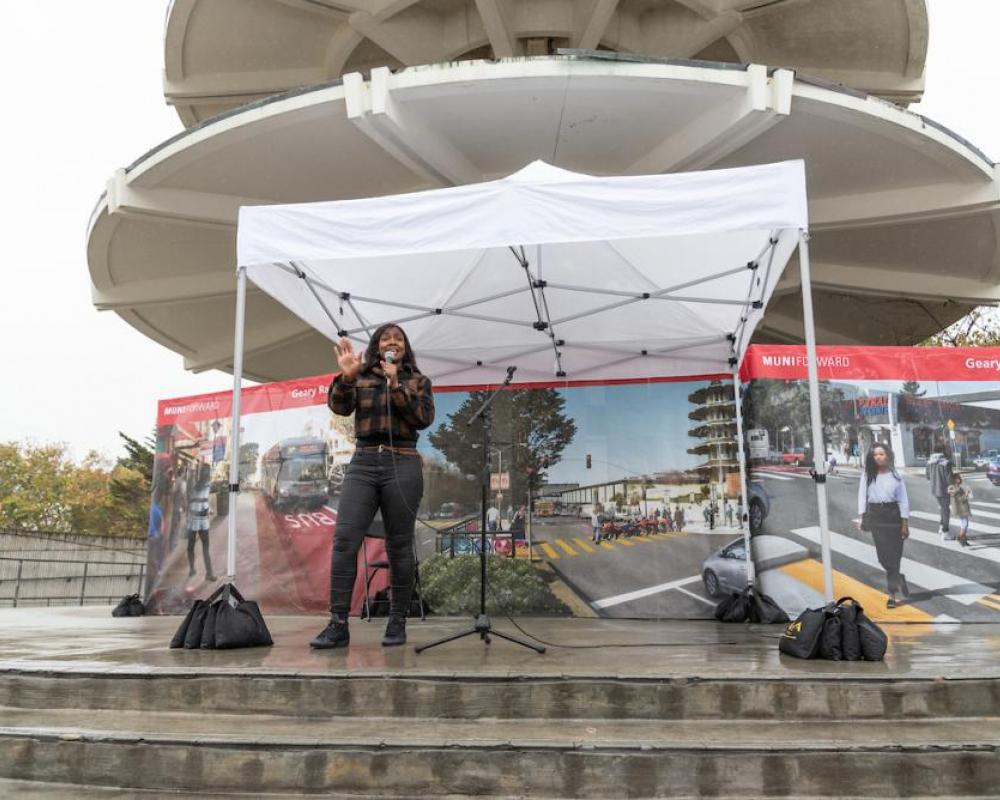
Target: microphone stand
[{"x": 483, "y": 626}]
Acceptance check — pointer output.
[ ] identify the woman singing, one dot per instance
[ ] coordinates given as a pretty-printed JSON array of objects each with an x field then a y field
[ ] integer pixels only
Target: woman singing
[
  {"x": 391, "y": 400},
  {"x": 885, "y": 511}
]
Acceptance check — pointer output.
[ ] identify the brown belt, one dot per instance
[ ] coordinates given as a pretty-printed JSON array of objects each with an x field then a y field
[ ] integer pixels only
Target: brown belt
[{"x": 384, "y": 448}]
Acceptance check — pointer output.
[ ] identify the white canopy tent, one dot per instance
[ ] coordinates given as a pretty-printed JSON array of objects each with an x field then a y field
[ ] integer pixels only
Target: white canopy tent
[{"x": 564, "y": 276}]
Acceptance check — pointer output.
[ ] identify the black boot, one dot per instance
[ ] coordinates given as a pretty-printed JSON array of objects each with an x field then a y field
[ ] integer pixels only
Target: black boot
[
  {"x": 395, "y": 631},
  {"x": 335, "y": 634}
]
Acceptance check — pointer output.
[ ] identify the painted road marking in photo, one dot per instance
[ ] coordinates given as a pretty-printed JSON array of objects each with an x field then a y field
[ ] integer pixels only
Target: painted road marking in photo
[
  {"x": 809, "y": 571},
  {"x": 628, "y": 597},
  {"x": 568, "y": 548},
  {"x": 707, "y": 602},
  {"x": 916, "y": 573},
  {"x": 984, "y": 504},
  {"x": 990, "y": 601},
  {"x": 772, "y": 475},
  {"x": 933, "y": 538},
  {"x": 979, "y": 527},
  {"x": 565, "y": 546},
  {"x": 978, "y": 512}
]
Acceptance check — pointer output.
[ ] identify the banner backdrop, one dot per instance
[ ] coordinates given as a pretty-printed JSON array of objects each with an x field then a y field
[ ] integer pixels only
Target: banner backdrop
[
  {"x": 617, "y": 494},
  {"x": 925, "y": 405},
  {"x": 623, "y": 496}
]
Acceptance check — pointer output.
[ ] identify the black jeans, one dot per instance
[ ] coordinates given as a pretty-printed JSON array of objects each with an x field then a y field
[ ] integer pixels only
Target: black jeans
[
  {"x": 889, "y": 550},
  {"x": 944, "y": 503},
  {"x": 376, "y": 481}
]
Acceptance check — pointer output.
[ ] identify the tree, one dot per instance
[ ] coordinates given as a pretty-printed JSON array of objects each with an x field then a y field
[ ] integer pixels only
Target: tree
[
  {"x": 912, "y": 389},
  {"x": 249, "y": 452},
  {"x": 979, "y": 328},
  {"x": 529, "y": 425},
  {"x": 775, "y": 404},
  {"x": 42, "y": 488},
  {"x": 32, "y": 486}
]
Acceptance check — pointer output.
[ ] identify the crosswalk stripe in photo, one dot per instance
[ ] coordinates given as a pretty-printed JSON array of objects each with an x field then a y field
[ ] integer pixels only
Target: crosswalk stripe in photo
[
  {"x": 565, "y": 546},
  {"x": 916, "y": 573},
  {"x": 809, "y": 571},
  {"x": 978, "y": 527}
]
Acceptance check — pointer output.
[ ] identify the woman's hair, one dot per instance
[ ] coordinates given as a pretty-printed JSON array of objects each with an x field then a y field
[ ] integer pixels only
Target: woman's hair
[
  {"x": 372, "y": 356},
  {"x": 871, "y": 468}
]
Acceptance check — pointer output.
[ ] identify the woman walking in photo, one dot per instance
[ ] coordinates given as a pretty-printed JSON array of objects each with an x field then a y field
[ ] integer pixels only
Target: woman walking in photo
[
  {"x": 391, "y": 401},
  {"x": 885, "y": 510}
]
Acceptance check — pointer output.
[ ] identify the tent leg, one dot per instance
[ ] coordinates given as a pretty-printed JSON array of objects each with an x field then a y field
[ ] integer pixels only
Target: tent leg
[
  {"x": 815, "y": 415},
  {"x": 744, "y": 483},
  {"x": 234, "y": 434}
]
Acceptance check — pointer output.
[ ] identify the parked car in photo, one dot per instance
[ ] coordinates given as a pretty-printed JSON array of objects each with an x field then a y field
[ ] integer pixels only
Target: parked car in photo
[
  {"x": 725, "y": 570},
  {"x": 759, "y": 506},
  {"x": 450, "y": 511},
  {"x": 993, "y": 471},
  {"x": 982, "y": 461}
]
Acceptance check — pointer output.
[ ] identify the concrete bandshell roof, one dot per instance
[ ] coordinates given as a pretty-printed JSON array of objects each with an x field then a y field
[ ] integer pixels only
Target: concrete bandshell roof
[
  {"x": 904, "y": 216},
  {"x": 220, "y": 54}
]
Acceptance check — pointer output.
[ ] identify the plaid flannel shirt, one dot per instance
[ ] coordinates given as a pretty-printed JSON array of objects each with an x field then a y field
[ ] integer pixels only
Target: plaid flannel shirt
[{"x": 412, "y": 404}]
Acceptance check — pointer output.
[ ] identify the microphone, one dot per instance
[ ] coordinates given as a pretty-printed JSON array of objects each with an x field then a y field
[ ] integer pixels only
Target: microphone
[{"x": 390, "y": 358}]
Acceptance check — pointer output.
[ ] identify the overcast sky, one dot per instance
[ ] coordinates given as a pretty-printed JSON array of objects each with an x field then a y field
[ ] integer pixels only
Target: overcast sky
[{"x": 83, "y": 96}]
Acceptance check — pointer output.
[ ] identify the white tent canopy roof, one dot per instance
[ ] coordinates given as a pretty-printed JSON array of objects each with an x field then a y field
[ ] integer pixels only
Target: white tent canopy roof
[{"x": 566, "y": 276}]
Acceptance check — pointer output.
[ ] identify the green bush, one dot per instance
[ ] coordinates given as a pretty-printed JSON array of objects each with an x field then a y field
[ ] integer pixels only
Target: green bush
[{"x": 451, "y": 586}]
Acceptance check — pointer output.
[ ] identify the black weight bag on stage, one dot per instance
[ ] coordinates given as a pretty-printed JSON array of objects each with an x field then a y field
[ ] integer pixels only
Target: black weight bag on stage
[
  {"x": 803, "y": 636},
  {"x": 236, "y": 622},
  {"x": 829, "y": 640},
  {"x": 130, "y": 606},
  {"x": 838, "y": 632},
  {"x": 224, "y": 621},
  {"x": 850, "y": 636},
  {"x": 189, "y": 632},
  {"x": 734, "y": 607},
  {"x": 750, "y": 606},
  {"x": 871, "y": 638}
]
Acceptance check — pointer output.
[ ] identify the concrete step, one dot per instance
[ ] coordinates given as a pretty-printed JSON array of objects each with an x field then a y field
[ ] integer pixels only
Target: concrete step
[
  {"x": 511, "y": 697},
  {"x": 399, "y": 757},
  {"x": 35, "y": 790}
]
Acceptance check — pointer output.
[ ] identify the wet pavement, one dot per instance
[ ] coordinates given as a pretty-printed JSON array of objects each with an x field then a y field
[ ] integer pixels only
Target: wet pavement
[{"x": 89, "y": 640}]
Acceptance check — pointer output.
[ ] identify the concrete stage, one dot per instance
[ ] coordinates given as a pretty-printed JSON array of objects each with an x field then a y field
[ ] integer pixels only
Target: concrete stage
[
  {"x": 90, "y": 701},
  {"x": 89, "y": 640}
]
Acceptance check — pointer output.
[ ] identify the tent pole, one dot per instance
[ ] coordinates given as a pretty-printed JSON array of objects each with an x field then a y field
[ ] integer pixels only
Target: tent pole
[
  {"x": 744, "y": 483},
  {"x": 815, "y": 416},
  {"x": 234, "y": 434}
]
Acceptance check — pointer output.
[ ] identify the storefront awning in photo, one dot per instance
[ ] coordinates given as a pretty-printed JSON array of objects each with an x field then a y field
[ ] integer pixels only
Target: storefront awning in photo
[{"x": 563, "y": 275}]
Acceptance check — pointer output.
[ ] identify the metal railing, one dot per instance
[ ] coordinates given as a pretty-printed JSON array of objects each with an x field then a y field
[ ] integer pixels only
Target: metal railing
[
  {"x": 463, "y": 538},
  {"x": 49, "y": 581}
]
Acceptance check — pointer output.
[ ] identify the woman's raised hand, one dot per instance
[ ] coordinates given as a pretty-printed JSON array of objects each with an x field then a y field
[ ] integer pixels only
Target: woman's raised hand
[{"x": 348, "y": 361}]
